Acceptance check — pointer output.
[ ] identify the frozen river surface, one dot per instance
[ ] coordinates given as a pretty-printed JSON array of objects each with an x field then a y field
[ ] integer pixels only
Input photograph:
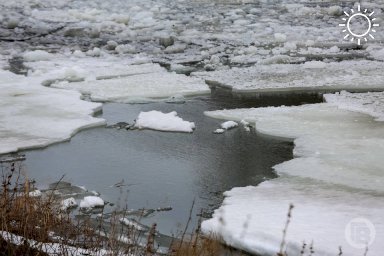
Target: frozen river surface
[{"x": 56, "y": 57}]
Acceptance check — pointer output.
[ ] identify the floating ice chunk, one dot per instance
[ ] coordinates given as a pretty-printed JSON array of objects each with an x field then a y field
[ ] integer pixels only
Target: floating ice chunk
[
  {"x": 166, "y": 41},
  {"x": 125, "y": 48},
  {"x": 13, "y": 23},
  {"x": 335, "y": 10},
  {"x": 37, "y": 55},
  {"x": 121, "y": 18},
  {"x": 281, "y": 38},
  {"x": 176, "y": 48},
  {"x": 280, "y": 59},
  {"x": 314, "y": 64},
  {"x": 78, "y": 53},
  {"x": 291, "y": 46},
  {"x": 133, "y": 224},
  {"x": 68, "y": 203},
  {"x": 215, "y": 60},
  {"x": 95, "y": 52},
  {"x": 111, "y": 45},
  {"x": 334, "y": 49},
  {"x": 229, "y": 125},
  {"x": 91, "y": 202},
  {"x": 35, "y": 193},
  {"x": 157, "y": 120},
  {"x": 219, "y": 131},
  {"x": 377, "y": 54},
  {"x": 72, "y": 74},
  {"x": 244, "y": 123},
  {"x": 181, "y": 69}
]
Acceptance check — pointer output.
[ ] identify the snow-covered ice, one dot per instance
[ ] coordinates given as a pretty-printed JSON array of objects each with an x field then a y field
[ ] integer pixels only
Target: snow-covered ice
[
  {"x": 68, "y": 203},
  {"x": 157, "y": 120},
  {"x": 37, "y": 55},
  {"x": 219, "y": 131},
  {"x": 115, "y": 78},
  {"x": 35, "y": 116},
  {"x": 229, "y": 125},
  {"x": 336, "y": 176},
  {"x": 105, "y": 49},
  {"x": 35, "y": 193},
  {"x": 314, "y": 75},
  {"x": 91, "y": 202},
  {"x": 132, "y": 223},
  {"x": 139, "y": 87}
]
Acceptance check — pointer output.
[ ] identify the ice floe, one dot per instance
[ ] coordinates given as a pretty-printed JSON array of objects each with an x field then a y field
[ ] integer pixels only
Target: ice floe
[
  {"x": 35, "y": 116},
  {"x": 335, "y": 177},
  {"x": 157, "y": 120},
  {"x": 115, "y": 79},
  {"x": 314, "y": 75},
  {"x": 139, "y": 87},
  {"x": 219, "y": 131},
  {"x": 229, "y": 125},
  {"x": 68, "y": 203},
  {"x": 91, "y": 202}
]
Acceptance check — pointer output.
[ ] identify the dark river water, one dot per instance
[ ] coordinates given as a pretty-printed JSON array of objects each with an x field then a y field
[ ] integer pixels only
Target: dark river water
[{"x": 161, "y": 168}]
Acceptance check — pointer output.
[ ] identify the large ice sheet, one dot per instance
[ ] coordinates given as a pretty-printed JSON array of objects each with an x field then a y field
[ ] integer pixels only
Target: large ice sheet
[
  {"x": 35, "y": 116},
  {"x": 310, "y": 75},
  {"x": 114, "y": 78},
  {"x": 76, "y": 67},
  {"x": 371, "y": 103},
  {"x": 139, "y": 87},
  {"x": 337, "y": 176}
]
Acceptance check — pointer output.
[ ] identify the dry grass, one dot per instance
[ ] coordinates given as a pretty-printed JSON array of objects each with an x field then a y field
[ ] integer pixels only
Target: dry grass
[{"x": 41, "y": 219}]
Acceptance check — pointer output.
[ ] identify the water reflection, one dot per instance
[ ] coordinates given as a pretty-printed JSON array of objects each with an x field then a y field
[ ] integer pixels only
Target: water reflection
[{"x": 159, "y": 168}]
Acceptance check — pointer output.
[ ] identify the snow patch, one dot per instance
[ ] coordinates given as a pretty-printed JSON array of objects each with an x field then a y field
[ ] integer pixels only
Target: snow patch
[{"x": 68, "y": 203}]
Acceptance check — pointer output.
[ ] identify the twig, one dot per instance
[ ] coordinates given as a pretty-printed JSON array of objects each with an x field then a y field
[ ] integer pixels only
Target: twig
[
  {"x": 282, "y": 245},
  {"x": 186, "y": 226}
]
